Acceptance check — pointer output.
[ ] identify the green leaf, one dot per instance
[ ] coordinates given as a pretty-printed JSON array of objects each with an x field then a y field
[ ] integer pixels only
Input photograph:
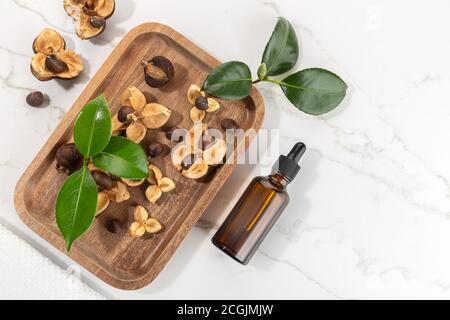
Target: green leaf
[
  {"x": 281, "y": 53},
  {"x": 231, "y": 80},
  {"x": 93, "y": 127},
  {"x": 76, "y": 205},
  {"x": 314, "y": 91},
  {"x": 123, "y": 158}
]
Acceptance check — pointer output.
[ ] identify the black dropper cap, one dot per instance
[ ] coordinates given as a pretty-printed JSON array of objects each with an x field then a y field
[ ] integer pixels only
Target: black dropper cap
[{"x": 288, "y": 165}]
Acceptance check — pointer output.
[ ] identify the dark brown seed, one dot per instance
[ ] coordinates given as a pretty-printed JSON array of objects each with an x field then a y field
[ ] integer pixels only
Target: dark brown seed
[
  {"x": 155, "y": 149},
  {"x": 54, "y": 65},
  {"x": 113, "y": 226},
  {"x": 187, "y": 162},
  {"x": 171, "y": 135},
  {"x": 97, "y": 22},
  {"x": 103, "y": 180},
  {"x": 123, "y": 114},
  {"x": 201, "y": 103},
  {"x": 35, "y": 99},
  {"x": 207, "y": 141},
  {"x": 68, "y": 159},
  {"x": 229, "y": 124},
  {"x": 158, "y": 71}
]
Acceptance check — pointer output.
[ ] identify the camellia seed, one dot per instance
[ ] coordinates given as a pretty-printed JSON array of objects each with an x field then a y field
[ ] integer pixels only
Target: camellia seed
[
  {"x": 35, "y": 99},
  {"x": 170, "y": 134},
  {"x": 155, "y": 149},
  {"x": 201, "y": 103},
  {"x": 187, "y": 162},
  {"x": 68, "y": 159},
  {"x": 103, "y": 180},
  {"x": 114, "y": 226},
  {"x": 123, "y": 114},
  {"x": 54, "y": 65},
  {"x": 97, "y": 22},
  {"x": 229, "y": 124}
]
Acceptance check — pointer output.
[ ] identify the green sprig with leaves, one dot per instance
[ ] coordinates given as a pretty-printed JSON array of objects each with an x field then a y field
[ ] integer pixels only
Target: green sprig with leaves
[
  {"x": 314, "y": 91},
  {"x": 77, "y": 199}
]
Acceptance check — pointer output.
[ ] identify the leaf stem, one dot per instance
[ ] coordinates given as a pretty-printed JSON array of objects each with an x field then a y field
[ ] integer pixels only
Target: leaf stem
[{"x": 269, "y": 80}]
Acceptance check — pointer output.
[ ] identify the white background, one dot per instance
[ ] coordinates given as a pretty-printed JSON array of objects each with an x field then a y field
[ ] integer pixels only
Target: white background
[{"x": 369, "y": 216}]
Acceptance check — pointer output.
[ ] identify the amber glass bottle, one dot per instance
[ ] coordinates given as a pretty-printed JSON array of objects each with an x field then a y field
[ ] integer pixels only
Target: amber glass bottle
[{"x": 258, "y": 209}]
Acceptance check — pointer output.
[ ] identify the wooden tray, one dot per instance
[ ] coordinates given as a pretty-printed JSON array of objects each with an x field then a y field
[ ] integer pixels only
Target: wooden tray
[{"x": 118, "y": 259}]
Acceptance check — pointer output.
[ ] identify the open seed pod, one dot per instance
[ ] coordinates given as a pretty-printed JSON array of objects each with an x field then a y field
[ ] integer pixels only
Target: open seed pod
[
  {"x": 133, "y": 182},
  {"x": 136, "y": 116},
  {"x": 158, "y": 184},
  {"x": 90, "y": 15},
  {"x": 119, "y": 193},
  {"x": 158, "y": 71},
  {"x": 103, "y": 202},
  {"x": 215, "y": 153},
  {"x": 133, "y": 97},
  {"x": 201, "y": 104},
  {"x": 197, "y": 170},
  {"x": 155, "y": 115},
  {"x": 143, "y": 223},
  {"x": 52, "y": 60}
]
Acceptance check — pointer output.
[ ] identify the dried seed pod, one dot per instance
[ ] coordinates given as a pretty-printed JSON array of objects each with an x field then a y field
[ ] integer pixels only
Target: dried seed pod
[
  {"x": 133, "y": 182},
  {"x": 90, "y": 15},
  {"x": 229, "y": 124},
  {"x": 158, "y": 71},
  {"x": 54, "y": 65},
  {"x": 213, "y": 105},
  {"x": 133, "y": 97},
  {"x": 197, "y": 115},
  {"x": 214, "y": 154},
  {"x": 142, "y": 223},
  {"x": 198, "y": 170},
  {"x": 114, "y": 226},
  {"x": 117, "y": 126},
  {"x": 68, "y": 159},
  {"x": 103, "y": 202},
  {"x": 154, "y": 149},
  {"x": 179, "y": 154},
  {"x": 124, "y": 114},
  {"x": 119, "y": 193},
  {"x": 35, "y": 99},
  {"x": 166, "y": 184},
  {"x": 136, "y": 132},
  {"x": 103, "y": 180},
  {"x": 155, "y": 115},
  {"x": 52, "y": 60},
  {"x": 154, "y": 174},
  {"x": 202, "y": 103},
  {"x": 194, "y": 92},
  {"x": 153, "y": 193},
  {"x": 49, "y": 42}
]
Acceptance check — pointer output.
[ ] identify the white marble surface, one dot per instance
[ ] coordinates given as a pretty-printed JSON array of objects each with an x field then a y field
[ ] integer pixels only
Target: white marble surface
[{"x": 370, "y": 212}]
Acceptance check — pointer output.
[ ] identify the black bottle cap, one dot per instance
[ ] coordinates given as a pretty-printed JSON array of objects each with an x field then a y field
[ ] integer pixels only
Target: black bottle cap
[{"x": 288, "y": 165}]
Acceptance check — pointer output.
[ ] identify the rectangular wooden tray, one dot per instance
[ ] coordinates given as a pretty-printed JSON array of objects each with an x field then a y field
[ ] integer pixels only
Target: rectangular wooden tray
[{"x": 118, "y": 259}]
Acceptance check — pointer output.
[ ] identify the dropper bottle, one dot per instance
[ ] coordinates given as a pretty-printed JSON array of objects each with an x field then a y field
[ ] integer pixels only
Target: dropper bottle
[{"x": 258, "y": 209}]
